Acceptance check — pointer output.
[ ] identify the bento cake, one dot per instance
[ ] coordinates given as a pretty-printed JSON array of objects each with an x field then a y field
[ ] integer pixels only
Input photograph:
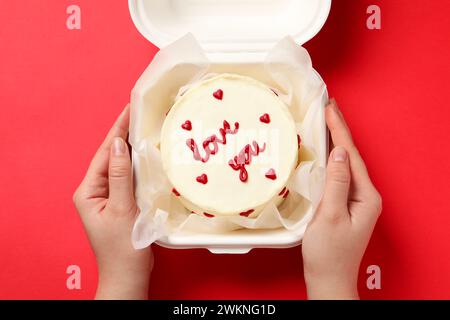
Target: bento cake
[{"x": 228, "y": 146}]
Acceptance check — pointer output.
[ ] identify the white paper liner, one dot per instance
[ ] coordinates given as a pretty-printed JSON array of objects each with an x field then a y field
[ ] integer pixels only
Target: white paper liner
[{"x": 175, "y": 68}]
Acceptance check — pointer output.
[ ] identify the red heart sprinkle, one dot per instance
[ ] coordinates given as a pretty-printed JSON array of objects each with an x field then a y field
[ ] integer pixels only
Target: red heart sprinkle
[
  {"x": 265, "y": 118},
  {"x": 271, "y": 174},
  {"x": 202, "y": 179},
  {"x": 282, "y": 191},
  {"x": 208, "y": 215},
  {"x": 175, "y": 192},
  {"x": 187, "y": 125},
  {"x": 286, "y": 194},
  {"x": 247, "y": 213},
  {"x": 218, "y": 94}
]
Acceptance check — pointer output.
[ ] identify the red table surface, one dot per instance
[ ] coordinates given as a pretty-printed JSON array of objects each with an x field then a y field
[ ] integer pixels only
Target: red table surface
[{"x": 60, "y": 91}]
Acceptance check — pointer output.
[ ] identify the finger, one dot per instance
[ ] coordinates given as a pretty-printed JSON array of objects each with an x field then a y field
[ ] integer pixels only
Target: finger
[
  {"x": 337, "y": 186},
  {"x": 121, "y": 197},
  {"x": 341, "y": 136},
  {"x": 99, "y": 164}
]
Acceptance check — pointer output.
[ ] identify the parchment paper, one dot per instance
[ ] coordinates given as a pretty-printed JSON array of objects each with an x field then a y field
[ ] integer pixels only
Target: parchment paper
[{"x": 288, "y": 69}]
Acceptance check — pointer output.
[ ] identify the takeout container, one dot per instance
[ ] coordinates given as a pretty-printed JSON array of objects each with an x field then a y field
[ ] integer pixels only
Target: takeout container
[{"x": 235, "y": 34}]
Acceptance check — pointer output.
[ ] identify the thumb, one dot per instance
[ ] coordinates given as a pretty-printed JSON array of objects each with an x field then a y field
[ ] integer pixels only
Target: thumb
[
  {"x": 121, "y": 197},
  {"x": 337, "y": 185}
]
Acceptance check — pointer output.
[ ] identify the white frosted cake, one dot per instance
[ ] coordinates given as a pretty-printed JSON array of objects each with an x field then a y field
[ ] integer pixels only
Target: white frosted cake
[{"x": 229, "y": 145}]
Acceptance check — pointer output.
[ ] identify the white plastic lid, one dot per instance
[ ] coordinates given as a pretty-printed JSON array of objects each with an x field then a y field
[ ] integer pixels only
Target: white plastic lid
[{"x": 229, "y": 25}]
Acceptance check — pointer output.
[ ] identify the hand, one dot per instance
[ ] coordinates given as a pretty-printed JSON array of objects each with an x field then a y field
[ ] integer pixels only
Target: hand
[
  {"x": 105, "y": 202},
  {"x": 337, "y": 237}
]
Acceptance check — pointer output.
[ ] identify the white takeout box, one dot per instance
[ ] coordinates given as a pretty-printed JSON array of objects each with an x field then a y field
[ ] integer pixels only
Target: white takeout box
[{"x": 232, "y": 32}]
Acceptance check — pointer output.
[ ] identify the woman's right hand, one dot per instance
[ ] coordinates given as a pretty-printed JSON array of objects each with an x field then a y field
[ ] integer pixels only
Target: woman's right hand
[{"x": 337, "y": 237}]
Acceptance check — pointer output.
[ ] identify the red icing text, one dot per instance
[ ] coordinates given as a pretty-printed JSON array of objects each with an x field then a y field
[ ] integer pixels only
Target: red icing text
[
  {"x": 211, "y": 144},
  {"x": 245, "y": 158}
]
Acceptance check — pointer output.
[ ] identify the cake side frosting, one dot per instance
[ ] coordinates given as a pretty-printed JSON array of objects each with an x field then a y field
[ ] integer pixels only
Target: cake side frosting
[{"x": 229, "y": 146}]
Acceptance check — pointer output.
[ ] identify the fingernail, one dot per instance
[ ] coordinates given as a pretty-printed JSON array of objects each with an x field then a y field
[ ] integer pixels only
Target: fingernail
[
  {"x": 335, "y": 108},
  {"x": 334, "y": 105},
  {"x": 118, "y": 147},
  {"x": 339, "y": 154}
]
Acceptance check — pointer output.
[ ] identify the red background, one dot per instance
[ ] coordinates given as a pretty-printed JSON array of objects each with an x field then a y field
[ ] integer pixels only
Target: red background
[{"x": 60, "y": 91}]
